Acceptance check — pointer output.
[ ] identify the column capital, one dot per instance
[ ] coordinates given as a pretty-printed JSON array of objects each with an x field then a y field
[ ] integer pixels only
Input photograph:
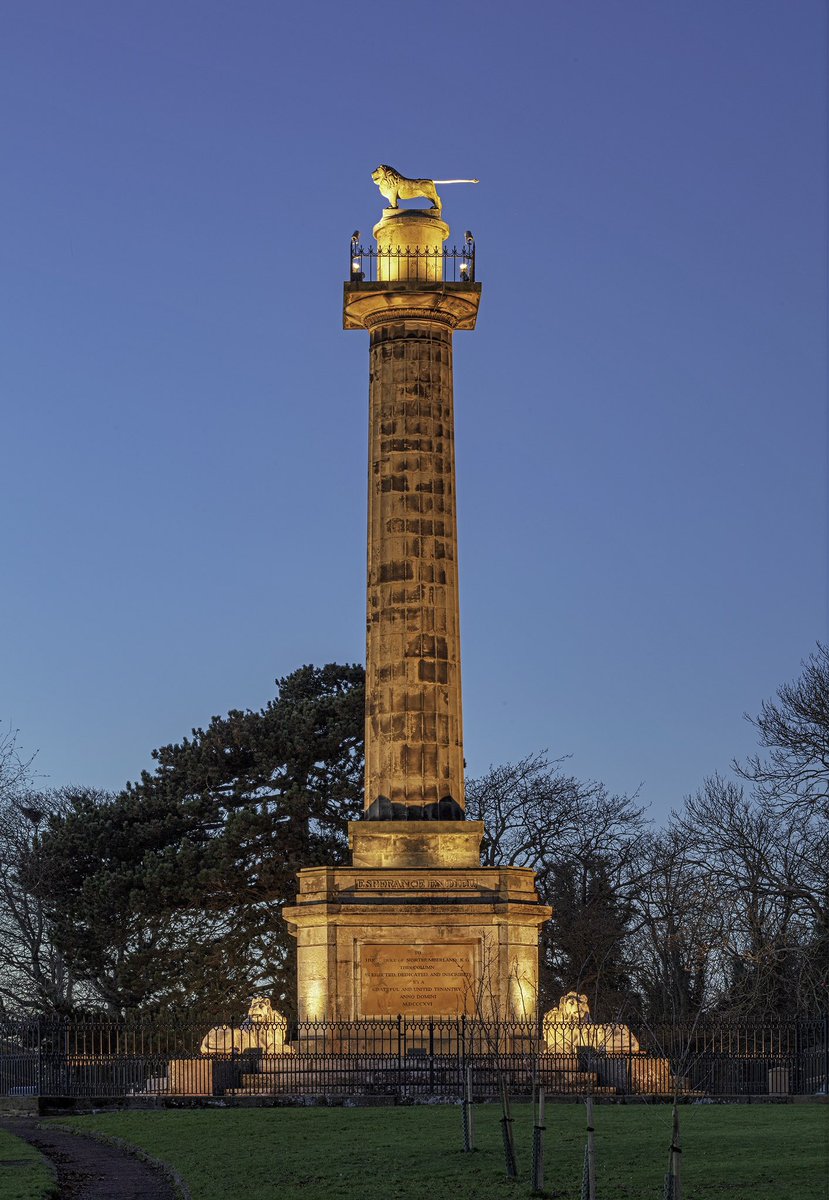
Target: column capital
[{"x": 452, "y": 304}]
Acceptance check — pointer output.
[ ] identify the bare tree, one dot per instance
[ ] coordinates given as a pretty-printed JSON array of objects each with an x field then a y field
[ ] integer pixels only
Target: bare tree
[
  {"x": 534, "y": 814},
  {"x": 580, "y": 841},
  {"x": 15, "y": 769},
  {"x": 675, "y": 928},
  {"x": 769, "y": 870},
  {"x": 33, "y": 974},
  {"x": 795, "y": 731},
  {"x": 790, "y": 786}
]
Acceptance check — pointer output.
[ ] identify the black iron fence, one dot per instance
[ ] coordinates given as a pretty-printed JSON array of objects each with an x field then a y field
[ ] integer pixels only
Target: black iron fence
[
  {"x": 405, "y": 263},
  {"x": 408, "y": 1058}
]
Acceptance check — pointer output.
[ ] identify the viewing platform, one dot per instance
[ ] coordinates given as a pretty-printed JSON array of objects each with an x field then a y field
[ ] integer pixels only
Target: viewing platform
[{"x": 403, "y": 263}]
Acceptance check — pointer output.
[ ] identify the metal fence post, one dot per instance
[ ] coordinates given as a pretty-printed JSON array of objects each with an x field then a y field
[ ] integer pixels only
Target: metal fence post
[
  {"x": 506, "y": 1128},
  {"x": 591, "y": 1151},
  {"x": 467, "y": 1112},
  {"x": 538, "y": 1145},
  {"x": 40, "y": 1055},
  {"x": 463, "y": 1047},
  {"x": 399, "y": 1050}
]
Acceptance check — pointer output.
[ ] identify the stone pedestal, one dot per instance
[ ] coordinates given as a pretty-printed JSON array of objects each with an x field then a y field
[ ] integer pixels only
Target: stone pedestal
[
  {"x": 416, "y": 927},
  {"x": 189, "y": 1077},
  {"x": 407, "y": 230}
]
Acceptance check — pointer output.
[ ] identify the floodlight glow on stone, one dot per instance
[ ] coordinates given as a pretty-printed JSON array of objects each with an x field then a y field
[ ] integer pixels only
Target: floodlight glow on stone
[{"x": 415, "y": 926}]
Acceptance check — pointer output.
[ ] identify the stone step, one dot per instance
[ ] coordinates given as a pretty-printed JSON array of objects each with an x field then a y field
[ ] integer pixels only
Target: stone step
[
  {"x": 330, "y": 1081},
  {"x": 326, "y": 1088},
  {"x": 574, "y": 1077}
]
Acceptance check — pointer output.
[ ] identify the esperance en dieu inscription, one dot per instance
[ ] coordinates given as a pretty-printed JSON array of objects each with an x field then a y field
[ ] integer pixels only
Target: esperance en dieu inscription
[
  {"x": 409, "y": 883},
  {"x": 428, "y": 980}
]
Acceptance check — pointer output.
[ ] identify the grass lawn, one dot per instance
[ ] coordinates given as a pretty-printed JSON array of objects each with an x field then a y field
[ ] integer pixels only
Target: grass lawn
[
  {"x": 23, "y": 1173},
  {"x": 745, "y": 1152}
]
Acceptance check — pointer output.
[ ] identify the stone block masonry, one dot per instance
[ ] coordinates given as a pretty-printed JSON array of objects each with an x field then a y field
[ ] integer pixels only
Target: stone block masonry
[{"x": 414, "y": 736}]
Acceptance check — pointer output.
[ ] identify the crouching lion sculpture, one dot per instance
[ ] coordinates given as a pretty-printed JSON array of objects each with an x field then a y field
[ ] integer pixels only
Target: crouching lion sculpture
[
  {"x": 569, "y": 1026},
  {"x": 264, "y": 1029}
]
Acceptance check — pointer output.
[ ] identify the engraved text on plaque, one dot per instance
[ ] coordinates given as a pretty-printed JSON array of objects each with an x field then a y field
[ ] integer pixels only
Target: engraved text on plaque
[{"x": 428, "y": 980}]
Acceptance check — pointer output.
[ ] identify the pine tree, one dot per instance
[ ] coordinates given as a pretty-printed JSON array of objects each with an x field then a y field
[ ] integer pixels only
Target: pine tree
[{"x": 171, "y": 892}]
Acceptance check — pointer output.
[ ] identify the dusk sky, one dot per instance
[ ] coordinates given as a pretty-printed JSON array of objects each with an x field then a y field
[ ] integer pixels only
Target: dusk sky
[{"x": 640, "y": 415}]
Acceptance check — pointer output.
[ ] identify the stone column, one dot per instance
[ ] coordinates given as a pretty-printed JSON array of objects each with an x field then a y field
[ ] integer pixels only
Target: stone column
[
  {"x": 415, "y": 926},
  {"x": 414, "y": 725}
]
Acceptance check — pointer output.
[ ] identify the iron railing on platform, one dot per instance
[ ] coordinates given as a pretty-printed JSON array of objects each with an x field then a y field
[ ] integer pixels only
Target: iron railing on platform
[
  {"x": 408, "y": 1058},
  {"x": 369, "y": 264}
]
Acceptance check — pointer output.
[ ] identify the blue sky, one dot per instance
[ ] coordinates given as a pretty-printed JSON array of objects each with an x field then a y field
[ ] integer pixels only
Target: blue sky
[{"x": 641, "y": 430}]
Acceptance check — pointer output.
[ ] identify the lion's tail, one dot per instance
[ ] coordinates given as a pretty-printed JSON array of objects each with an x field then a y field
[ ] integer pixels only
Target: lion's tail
[{"x": 456, "y": 181}]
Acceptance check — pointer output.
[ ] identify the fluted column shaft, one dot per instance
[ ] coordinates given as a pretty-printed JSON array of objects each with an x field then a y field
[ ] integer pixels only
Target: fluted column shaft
[{"x": 414, "y": 733}]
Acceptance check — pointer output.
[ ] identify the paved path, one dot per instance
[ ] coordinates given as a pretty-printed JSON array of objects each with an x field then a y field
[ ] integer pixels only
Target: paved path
[{"x": 90, "y": 1170}]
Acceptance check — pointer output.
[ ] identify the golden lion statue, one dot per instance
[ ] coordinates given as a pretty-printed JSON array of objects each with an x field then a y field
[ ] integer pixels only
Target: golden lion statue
[
  {"x": 569, "y": 1026},
  {"x": 264, "y": 1029},
  {"x": 394, "y": 186}
]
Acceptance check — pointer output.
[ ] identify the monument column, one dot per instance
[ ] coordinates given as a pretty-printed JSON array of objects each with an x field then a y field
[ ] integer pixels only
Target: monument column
[
  {"x": 415, "y": 926},
  {"x": 414, "y": 724}
]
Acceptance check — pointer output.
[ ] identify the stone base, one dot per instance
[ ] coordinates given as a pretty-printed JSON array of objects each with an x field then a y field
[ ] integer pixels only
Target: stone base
[
  {"x": 190, "y": 1077},
  {"x": 416, "y": 927}
]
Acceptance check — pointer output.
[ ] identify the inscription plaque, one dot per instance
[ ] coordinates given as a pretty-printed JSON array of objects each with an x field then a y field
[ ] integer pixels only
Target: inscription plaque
[{"x": 427, "y": 980}]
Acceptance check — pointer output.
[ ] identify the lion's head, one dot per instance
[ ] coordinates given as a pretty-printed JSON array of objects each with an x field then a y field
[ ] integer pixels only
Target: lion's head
[
  {"x": 385, "y": 174},
  {"x": 571, "y": 1007},
  {"x": 261, "y": 1010},
  {"x": 574, "y": 1006}
]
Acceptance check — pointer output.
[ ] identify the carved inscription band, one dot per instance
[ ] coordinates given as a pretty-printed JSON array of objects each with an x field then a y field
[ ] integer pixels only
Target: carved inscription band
[{"x": 413, "y": 885}]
